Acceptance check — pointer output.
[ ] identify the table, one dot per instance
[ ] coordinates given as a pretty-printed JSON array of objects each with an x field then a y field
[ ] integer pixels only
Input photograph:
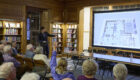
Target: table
[{"x": 119, "y": 59}]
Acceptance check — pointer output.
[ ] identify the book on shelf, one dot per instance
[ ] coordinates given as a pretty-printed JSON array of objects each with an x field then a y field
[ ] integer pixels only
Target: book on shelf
[
  {"x": 59, "y": 31},
  {"x": 59, "y": 40},
  {"x": 59, "y": 35},
  {"x": 74, "y": 36},
  {"x": 7, "y": 25},
  {"x": 74, "y": 31},
  {"x": 10, "y": 39},
  {"x": 12, "y": 25},
  {"x": 11, "y": 32},
  {"x": 68, "y": 40},
  {"x": 54, "y": 39},
  {"x": 54, "y": 30},
  {"x": 18, "y": 25}
]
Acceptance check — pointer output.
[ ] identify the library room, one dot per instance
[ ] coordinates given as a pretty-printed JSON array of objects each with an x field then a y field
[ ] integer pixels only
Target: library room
[{"x": 69, "y": 40}]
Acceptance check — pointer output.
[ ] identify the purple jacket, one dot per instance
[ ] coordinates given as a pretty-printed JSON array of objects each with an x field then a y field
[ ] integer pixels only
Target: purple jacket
[
  {"x": 8, "y": 58},
  {"x": 56, "y": 76}
]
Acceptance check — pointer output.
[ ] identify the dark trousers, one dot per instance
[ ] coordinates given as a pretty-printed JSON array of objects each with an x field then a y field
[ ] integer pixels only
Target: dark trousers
[{"x": 46, "y": 50}]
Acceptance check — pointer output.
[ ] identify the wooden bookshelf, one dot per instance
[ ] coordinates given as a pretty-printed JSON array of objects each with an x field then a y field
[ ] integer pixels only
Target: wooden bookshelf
[
  {"x": 11, "y": 31},
  {"x": 57, "y": 29},
  {"x": 71, "y": 37}
]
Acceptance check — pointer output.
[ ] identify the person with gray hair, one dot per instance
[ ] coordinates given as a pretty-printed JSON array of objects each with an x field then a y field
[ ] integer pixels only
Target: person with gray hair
[
  {"x": 7, "y": 55},
  {"x": 3, "y": 42},
  {"x": 30, "y": 76},
  {"x": 120, "y": 72},
  {"x": 89, "y": 69},
  {"x": 29, "y": 51},
  {"x": 40, "y": 56},
  {"x": 7, "y": 71}
]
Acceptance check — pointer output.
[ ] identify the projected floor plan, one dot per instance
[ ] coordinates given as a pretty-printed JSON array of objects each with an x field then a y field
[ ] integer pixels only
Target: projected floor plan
[{"x": 121, "y": 32}]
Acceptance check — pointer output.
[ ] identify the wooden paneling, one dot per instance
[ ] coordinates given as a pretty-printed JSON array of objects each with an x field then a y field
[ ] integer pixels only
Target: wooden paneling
[
  {"x": 71, "y": 15},
  {"x": 8, "y": 11},
  {"x": 80, "y": 31}
]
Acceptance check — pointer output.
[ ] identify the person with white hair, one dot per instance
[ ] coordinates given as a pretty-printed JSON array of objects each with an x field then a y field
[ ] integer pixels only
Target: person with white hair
[
  {"x": 7, "y": 56},
  {"x": 3, "y": 42},
  {"x": 30, "y": 76},
  {"x": 1, "y": 47},
  {"x": 7, "y": 71},
  {"x": 29, "y": 51},
  {"x": 120, "y": 72},
  {"x": 89, "y": 69},
  {"x": 40, "y": 56}
]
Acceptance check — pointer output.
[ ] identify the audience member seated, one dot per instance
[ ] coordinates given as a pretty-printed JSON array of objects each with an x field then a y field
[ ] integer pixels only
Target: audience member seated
[
  {"x": 15, "y": 52},
  {"x": 40, "y": 56},
  {"x": 7, "y": 56},
  {"x": 1, "y": 47},
  {"x": 59, "y": 72},
  {"x": 120, "y": 72},
  {"x": 1, "y": 58},
  {"x": 30, "y": 76},
  {"x": 7, "y": 71},
  {"x": 67, "y": 79},
  {"x": 89, "y": 69},
  {"x": 30, "y": 51},
  {"x": 3, "y": 42}
]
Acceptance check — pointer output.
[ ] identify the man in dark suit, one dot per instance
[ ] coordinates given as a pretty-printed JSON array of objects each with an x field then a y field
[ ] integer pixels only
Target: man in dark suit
[{"x": 43, "y": 40}]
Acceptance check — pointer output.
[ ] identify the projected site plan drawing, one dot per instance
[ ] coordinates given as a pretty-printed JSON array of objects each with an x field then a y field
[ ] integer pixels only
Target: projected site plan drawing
[{"x": 119, "y": 33}]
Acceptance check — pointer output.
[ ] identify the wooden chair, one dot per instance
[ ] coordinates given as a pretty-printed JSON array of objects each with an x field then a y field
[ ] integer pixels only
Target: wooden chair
[
  {"x": 20, "y": 59},
  {"x": 40, "y": 67},
  {"x": 29, "y": 63}
]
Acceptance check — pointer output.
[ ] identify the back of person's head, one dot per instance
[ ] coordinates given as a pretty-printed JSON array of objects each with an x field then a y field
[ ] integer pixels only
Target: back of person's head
[
  {"x": 7, "y": 49},
  {"x": 39, "y": 50},
  {"x": 62, "y": 66},
  {"x": 13, "y": 43},
  {"x": 1, "y": 47},
  {"x": 120, "y": 72},
  {"x": 8, "y": 71},
  {"x": 29, "y": 47},
  {"x": 1, "y": 58},
  {"x": 3, "y": 42},
  {"x": 30, "y": 76},
  {"x": 89, "y": 67}
]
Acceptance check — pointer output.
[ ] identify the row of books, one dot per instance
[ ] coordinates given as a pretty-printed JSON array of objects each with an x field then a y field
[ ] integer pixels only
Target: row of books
[
  {"x": 12, "y": 25},
  {"x": 72, "y": 40},
  {"x": 57, "y": 26},
  {"x": 71, "y": 45},
  {"x": 57, "y": 31},
  {"x": 56, "y": 40},
  {"x": 9, "y": 39},
  {"x": 71, "y": 31},
  {"x": 11, "y": 32},
  {"x": 72, "y": 26},
  {"x": 71, "y": 36}
]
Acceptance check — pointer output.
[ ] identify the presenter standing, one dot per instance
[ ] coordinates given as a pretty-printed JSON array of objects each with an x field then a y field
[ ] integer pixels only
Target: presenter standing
[{"x": 43, "y": 40}]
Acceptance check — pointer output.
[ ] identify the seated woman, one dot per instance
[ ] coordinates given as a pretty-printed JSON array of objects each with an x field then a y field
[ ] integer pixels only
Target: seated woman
[
  {"x": 59, "y": 72},
  {"x": 7, "y": 71},
  {"x": 30, "y": 76},
  {"x": 89, "y": 69},
  {"x": 40, "y": 56},
  {"x": 120, "y": 72}
]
